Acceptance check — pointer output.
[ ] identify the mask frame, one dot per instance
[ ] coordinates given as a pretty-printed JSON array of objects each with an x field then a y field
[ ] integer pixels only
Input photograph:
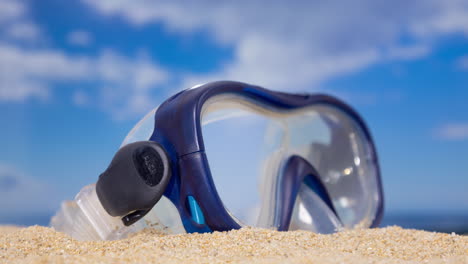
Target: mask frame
[{"x": 178, "y": 131}]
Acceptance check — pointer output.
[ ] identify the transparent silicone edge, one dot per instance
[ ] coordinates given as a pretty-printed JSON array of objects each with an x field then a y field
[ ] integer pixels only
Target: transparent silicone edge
[{"x": 134, "y": 136}]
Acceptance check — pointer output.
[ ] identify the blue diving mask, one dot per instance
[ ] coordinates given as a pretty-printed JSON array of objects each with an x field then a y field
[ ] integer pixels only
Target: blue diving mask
[{"x": 225, "y": 155}]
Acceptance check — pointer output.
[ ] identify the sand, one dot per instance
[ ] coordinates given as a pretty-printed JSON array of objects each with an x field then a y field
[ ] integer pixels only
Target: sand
[{"x": 384, "y": 245}]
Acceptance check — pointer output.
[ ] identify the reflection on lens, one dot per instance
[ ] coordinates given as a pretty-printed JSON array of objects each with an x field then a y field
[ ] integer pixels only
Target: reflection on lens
[{"x": 247, "y": 144}]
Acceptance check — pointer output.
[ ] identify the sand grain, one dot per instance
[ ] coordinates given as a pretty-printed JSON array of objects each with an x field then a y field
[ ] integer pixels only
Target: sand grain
[{"x": 384, "y": 245}]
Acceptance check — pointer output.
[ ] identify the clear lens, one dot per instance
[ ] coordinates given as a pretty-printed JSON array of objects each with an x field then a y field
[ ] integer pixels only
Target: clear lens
[
  {"x": 247, "y": 144},
  {"x": 142, "y": 131}
]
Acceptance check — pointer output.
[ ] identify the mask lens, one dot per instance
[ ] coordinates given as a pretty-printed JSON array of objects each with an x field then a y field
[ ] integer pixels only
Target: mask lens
[
  {"x": 247, "y": 144},
  {"x": 236, "y": 149}
]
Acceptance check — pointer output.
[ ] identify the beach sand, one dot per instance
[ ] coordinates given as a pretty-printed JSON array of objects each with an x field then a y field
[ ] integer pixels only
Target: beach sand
[{"x": 383, "y": 245}]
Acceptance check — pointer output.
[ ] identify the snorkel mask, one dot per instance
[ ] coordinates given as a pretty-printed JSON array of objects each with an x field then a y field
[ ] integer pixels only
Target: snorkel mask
[{"x": 226, "y": 155}]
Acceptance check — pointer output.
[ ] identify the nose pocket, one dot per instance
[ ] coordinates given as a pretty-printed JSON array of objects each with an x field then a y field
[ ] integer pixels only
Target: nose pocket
[{"x": 304, "y": 198}]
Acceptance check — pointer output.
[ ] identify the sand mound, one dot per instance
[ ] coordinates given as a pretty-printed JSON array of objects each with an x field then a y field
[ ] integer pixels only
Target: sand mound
[{"x": 385, "y": 245}]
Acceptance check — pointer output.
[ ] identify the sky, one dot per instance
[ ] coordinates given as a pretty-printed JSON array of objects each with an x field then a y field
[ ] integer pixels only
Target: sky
[{"x": 75, "y": 76}]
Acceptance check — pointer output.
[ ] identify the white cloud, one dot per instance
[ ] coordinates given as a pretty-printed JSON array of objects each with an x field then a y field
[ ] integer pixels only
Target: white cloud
[
  {"x": 293, "y": 46},
  {"x": 453, "y": 131},
  {"x": 442, "y": 17},
  {"x": 26, "y": 73},
  {"x": 127, "y": 83},
  {"x": 10, "y": 10},
  {"x": 81, "y": 98},
  {"x": 23, "y": 31},
  {"x": 462, "y": 63},
  {"x": 80, "y": 38},
  {"x": 408, "y": 52},
  {"x": 15, "y": 23},
  {"x": 24, "y": 195},
  {"x": 300, "y": 44},
  {"x": 285, "y": 70},
  {"x": 123, "y": 83}
]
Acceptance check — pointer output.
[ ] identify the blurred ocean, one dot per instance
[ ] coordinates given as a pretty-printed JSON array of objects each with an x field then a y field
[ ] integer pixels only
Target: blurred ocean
[{"x": 429, "y": 221}]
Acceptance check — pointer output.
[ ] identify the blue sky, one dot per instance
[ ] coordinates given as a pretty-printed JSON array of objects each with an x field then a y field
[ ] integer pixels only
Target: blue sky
[{"x": 76, "y": 76}]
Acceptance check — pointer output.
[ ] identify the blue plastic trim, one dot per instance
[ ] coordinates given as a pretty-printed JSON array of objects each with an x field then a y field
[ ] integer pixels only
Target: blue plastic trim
[
  {"x": 314, "y": 182},
  {"x": 195, "y": 211},
  {"x": 297, "y": 171}
]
